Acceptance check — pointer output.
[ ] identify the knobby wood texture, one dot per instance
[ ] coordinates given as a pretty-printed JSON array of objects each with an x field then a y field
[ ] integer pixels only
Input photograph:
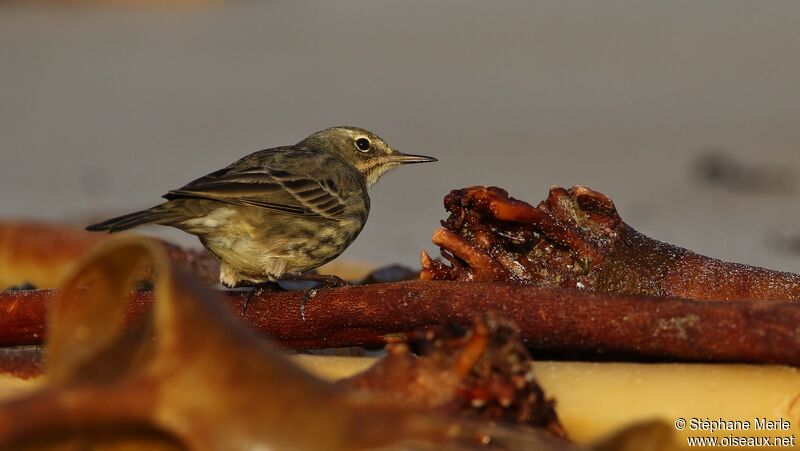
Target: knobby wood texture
[
  {"x": 557, "y": 322},
  {"x": 576, "y": 239}
]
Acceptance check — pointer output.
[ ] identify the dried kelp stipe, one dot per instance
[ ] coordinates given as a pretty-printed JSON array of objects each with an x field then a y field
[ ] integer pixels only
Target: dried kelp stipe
[
  {"x": 39, "y": 255},
  {"x": 560, "y": 323},
  {"x": 189, "y": 375},
  {"x": 485, "y": 373},
  {"x": 576, "y": 239}
]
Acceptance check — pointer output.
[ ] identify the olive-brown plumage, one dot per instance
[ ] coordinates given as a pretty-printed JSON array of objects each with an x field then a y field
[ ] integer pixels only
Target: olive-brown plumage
[{"x": 279, "y": 211}]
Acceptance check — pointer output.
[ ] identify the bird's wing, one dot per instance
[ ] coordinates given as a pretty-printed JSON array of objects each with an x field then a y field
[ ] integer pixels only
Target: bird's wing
[{"x": 292, "y": 182}]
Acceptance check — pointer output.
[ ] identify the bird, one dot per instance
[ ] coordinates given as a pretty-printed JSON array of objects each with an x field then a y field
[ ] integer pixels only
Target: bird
[{"x": 280, "y": 212}]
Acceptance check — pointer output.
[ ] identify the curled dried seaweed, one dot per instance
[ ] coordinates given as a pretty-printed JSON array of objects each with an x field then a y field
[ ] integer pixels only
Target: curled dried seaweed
[
  {"x": 40, "y": 255},
  {"x": 188, "y": 375},
  {"x": 576, "y": 239}
]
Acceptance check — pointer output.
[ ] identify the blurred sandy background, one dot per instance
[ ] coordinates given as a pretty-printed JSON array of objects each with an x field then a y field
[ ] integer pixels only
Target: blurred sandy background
[{"x": 686, "y": 113}]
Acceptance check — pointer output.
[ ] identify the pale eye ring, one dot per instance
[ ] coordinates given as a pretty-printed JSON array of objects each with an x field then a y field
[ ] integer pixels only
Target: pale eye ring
[{"x": 363, "y": 144}]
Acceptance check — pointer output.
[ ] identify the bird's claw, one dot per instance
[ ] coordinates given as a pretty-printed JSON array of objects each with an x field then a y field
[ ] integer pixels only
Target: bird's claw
[
  {"x": 328, "y": 281},
  {"x": 258, "y": 290},
  {"x": 254, "y": 291},
  {"x": 307, "y": 296}
]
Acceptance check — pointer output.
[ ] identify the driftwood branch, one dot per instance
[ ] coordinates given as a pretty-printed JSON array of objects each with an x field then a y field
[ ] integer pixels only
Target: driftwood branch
[{"x": 559, "y": 322}]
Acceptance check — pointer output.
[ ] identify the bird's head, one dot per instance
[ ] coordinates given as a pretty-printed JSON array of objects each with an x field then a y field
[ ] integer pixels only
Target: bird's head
[{"x": 363, "y": 149}]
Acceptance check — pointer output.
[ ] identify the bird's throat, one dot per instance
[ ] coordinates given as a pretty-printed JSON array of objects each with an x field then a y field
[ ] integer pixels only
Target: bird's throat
[{"x": 373, "y": 170}]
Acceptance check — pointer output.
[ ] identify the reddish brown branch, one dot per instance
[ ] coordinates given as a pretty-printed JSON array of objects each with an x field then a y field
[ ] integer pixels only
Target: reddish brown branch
[
  {"x": 21, "y": 362},
  {"x": 576, "y": 238},
  {"x": 560, "y": 322}
]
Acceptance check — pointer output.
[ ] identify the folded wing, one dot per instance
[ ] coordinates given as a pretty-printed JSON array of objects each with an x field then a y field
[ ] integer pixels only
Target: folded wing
[{"x": 293, "y": 182}]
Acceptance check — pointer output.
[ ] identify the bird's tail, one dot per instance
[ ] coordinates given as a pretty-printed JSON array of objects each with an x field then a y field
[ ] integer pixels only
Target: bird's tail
[{"x": 155, "y": 215}]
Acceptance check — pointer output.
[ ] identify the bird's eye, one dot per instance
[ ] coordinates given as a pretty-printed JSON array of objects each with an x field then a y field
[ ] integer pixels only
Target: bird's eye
[{"x": 363, "y": 144}]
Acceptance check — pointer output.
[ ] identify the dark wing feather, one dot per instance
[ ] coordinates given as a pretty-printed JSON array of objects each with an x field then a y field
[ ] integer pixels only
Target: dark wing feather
[{"x": 293, "y": 182}]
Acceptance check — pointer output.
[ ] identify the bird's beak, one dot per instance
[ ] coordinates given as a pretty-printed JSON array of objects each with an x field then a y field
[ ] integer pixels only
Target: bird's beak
[{"x": 404, "y": 158}]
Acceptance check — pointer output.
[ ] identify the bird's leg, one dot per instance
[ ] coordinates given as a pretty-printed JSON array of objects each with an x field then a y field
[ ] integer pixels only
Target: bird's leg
[
  {"x": 325, "y": 281},
  {"x": 257, "y": 290},
  {"x": 310, "y": 294}
]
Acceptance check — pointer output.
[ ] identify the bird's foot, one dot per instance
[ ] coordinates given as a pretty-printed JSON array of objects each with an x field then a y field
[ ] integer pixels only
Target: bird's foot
[
  {"x": 325, "y": 281},
  {"x": 310, "y": 294},
  {"x": 258, "y": 290}
]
